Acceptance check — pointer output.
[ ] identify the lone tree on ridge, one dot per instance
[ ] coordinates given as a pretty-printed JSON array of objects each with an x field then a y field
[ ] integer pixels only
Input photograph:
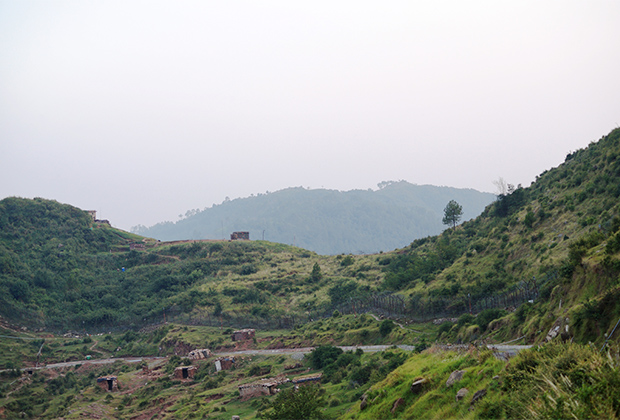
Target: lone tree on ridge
[{"x": 452, "y": 214}]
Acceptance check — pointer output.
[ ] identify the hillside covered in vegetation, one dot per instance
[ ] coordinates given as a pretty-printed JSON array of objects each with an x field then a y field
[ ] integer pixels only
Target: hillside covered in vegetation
[
  {"x": 329, "y": 221},
  {"x": 539, "y": 266},
  {"x": 558, "y": 234}
]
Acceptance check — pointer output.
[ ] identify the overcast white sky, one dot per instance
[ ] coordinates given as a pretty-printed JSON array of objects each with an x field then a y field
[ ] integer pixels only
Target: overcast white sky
[{"x": 145, "y": 109}]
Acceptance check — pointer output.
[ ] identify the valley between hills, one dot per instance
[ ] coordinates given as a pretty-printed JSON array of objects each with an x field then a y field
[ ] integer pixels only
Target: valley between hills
[{"x": 539, "y": 268}]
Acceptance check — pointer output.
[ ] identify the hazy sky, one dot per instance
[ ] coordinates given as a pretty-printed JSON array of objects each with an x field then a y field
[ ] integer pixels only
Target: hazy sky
[{"x": 145, "y": 109}]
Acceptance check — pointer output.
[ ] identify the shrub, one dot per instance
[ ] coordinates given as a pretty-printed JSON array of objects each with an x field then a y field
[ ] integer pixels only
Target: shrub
[
  {"x": 485, "y": 317},
  {"x": 324, "y": 355},
  {"x": 465, "y": 319},
  {"x": 361, "y": 374},
  {"x": 304, "y": 403},
  {"x": 529, "y": 219},
  {"x": 386, "y": 327},
  {"x": 347, "y": 261},
  {"x": 444, "y": 328}
]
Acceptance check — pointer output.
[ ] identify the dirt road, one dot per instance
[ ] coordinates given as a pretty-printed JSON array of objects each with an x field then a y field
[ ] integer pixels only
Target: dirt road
[{"x": 505, "y": 351}]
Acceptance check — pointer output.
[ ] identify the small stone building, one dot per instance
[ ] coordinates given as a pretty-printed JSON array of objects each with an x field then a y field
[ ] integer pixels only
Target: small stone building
[
  {"x": 108, "y": 383},
  {"x": 307, "y": 379},
  {"x": 258, "y": 389},
  {"x": 245, "y": 236},
  {"x": 224, "y": 363},
  {"x": 265, "y": 387},
  {"x": 242, "y": 335},
  {"x": 185, "y": 372},
  {"x": 199, "y": 354}
]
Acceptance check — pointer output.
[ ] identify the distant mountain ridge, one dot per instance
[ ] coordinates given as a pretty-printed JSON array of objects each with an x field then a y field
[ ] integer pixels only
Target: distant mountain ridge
[{"x": 329, "y": 221}]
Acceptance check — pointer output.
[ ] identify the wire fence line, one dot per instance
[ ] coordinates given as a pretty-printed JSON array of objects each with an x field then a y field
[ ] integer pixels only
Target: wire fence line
[
  {"x": 387, "y": 305},
  {"x": 395, "y": 306}
]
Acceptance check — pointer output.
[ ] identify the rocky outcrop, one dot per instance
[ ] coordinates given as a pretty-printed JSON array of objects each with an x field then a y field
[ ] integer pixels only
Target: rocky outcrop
[
  {"x": 419, "y": 384},
  {"x": 462, "y": 393},
  {"x": 455, "y": 377},
  {"x": 478, "y": 396},
  {"x": 560, "y": 327},
  {"x": 364, "y": 402}
]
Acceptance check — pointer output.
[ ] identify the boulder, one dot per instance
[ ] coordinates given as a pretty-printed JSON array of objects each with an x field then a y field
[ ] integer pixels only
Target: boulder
[
  {"x": 455, "y": 376},
  {"x": 478, "y": 396},
  {"x": 418, "y": 385},
  {"x": 461, "y": 394},
  {"x": 397, "y": 404},
  {"x": 364, "y": 402}
]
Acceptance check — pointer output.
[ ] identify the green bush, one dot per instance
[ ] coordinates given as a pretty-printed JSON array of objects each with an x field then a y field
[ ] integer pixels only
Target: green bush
[
  {"x": 485, "y": 317},
  {"x": 386, "y": 327},
  {"x": 324, "y": 355},
  {"x": 347, "y": 261},
  {"x": 465, "y": 319},
  {"x": 444, "y": 328}
]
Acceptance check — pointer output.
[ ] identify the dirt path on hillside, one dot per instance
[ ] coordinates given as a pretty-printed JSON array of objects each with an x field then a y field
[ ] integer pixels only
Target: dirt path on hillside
[
  {"x": 503, "y": 351},
  {"x": 400, "y": 325}
]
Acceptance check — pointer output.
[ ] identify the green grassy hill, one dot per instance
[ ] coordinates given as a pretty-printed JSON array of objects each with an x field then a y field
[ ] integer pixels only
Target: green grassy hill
[
  {"x": 561, "y": 231},
  {"x": 60, "y": 270},
  {"x": 560, "y": 236}
]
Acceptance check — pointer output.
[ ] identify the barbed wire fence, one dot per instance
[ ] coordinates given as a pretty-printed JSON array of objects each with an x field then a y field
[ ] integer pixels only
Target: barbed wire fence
[
  {"x": 386, "y": 305},
  {"x": 394, "y": 306}
]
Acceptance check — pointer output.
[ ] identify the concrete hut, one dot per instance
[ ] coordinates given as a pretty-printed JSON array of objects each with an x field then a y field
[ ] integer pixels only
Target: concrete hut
[
  {"x": 243, "y": 236},
  {"x": 185, "y": 372},
  {"x": 199, "y": 354},
  {"x": 257, "y": 389},
  {"x": 224, "y": 363},
  {"x": 307, "y": 379},
  {"x": 243, "y": 335},
  {"x": 108, "y": 383}
]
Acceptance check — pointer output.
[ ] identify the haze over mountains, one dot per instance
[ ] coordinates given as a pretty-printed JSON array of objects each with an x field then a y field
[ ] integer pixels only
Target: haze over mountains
[{"x": 329, "y": 221}]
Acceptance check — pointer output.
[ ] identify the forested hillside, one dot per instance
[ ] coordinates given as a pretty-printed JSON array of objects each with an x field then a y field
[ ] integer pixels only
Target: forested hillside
[
  {"x": 329, "y": 221},
  {"x": 558, "y": 239},
  {"x": 60, "y": 270},
  {"x": 556, "y": 236}
]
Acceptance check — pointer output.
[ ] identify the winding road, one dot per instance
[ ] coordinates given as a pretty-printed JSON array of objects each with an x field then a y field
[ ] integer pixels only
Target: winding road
[{"x": 504, "y": 351}]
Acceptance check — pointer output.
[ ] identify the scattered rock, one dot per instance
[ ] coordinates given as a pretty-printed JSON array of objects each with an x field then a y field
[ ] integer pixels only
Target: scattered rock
[
  {"x": 236, "y": 418},
  {"x": 478, "y": 396},
  {"x": 397, "y": 404},
  {"x": 461, "y": 394},
  {"x": 364, "y": 402},
  {"x": 418, "y": 385},
  {"x": 559, "y": 328},
  {"x": 455, "y": 376}
]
